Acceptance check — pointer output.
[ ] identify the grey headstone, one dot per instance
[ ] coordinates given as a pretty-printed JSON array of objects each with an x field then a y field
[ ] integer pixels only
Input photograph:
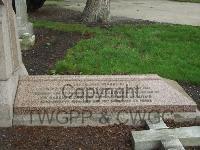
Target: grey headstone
[
  {"x": 11, "y": 65},
  {"x": 24, "y": 27}
]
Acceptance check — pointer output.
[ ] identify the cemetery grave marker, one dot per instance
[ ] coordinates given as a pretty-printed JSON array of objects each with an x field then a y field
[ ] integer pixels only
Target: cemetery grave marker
[
  {"x": 25, "y": 28},
  {"x": 115, "y": 95},
  {"x": 11, "y": 66}
]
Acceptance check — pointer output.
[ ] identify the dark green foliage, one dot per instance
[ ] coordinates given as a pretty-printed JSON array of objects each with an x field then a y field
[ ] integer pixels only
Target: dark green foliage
[{"x": 33, "y": 5}]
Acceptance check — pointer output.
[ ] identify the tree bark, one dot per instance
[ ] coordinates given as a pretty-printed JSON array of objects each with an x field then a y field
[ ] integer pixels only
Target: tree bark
[{"x": 96, "y": 11}]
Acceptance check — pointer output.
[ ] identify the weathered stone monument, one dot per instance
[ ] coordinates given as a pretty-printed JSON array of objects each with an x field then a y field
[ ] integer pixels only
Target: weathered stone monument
[
  {"x": 24, "y": 27},
  {"x": 11, "y": 66}
]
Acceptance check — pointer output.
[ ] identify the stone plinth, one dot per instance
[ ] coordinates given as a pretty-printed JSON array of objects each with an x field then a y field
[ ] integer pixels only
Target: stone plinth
[
  {"x": 98, "y": 94},
  {"x": 11, "y": 66}
]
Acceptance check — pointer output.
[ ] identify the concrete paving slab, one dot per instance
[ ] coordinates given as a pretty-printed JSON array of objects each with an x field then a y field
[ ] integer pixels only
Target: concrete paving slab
[{"x": 154, "y": 10}]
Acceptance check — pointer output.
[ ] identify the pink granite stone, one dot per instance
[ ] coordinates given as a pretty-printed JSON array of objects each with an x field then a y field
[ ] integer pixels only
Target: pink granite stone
[{"x": 135, "y": 93}]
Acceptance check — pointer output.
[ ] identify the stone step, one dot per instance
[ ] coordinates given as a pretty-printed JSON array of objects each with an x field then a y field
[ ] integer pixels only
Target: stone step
[{"x": 99, "y": 94}]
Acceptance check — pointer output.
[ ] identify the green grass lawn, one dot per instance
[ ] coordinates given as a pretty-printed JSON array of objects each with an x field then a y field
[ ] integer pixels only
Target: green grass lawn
[{"x": 172, "y": 51}]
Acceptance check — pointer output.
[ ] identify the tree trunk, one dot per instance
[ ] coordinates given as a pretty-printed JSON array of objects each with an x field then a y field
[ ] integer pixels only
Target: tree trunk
[{"x": 96, "y": 11}]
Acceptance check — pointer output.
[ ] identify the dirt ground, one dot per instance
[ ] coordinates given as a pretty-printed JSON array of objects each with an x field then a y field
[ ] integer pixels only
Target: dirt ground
[
  {"x": 193, "y": 91},
  {"x": 116, "y": 137},
  {"x": 85, "y": 138},
  {"x": 50, "y": 47}
]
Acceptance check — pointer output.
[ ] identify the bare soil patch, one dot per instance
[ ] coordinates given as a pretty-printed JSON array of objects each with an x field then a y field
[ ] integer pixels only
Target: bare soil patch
[
  {"x": 50, "y": 47},
  {"x": 84, "y": 138}
]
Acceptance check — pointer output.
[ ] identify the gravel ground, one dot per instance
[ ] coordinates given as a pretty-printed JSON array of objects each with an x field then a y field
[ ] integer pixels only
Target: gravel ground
[
  {"x": 85, "y": 138},
  {"x": 193, "y": 91},
  {"x": 116, "y": 137}
]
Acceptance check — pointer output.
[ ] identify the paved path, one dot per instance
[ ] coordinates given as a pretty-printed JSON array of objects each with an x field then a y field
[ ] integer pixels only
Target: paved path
[{"x": 153, "y": 10}]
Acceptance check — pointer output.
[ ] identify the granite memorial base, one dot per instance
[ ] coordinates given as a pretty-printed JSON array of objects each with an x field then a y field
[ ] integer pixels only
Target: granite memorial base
[{"x": 97, "y": 100}]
